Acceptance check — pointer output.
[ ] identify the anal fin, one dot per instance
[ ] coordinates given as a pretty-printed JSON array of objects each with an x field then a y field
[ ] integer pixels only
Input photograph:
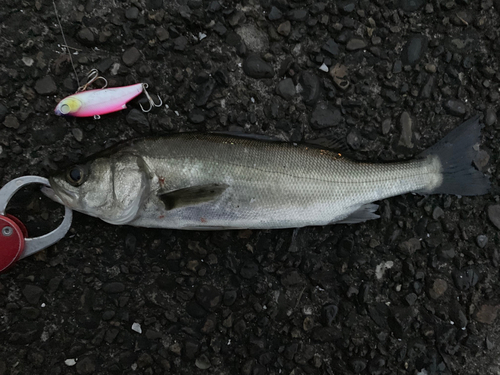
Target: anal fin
[
  {"x": 363, "y": 213},
  {"x": 192, "y": 195}
]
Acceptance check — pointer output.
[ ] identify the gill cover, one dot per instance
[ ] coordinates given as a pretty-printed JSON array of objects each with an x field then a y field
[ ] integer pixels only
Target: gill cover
[
  {"x": 112, "y": 188},
  {"x": 68, "y": 106}
]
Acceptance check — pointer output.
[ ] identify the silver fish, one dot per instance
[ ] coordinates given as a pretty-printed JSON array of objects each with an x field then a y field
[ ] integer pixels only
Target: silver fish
[{"x": 213, "y": 181}]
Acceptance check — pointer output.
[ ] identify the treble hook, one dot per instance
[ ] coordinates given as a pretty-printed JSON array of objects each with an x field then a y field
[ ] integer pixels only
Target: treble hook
[
  {"x": 91, "y": 78},
  {"x": 150, "y": 100}
]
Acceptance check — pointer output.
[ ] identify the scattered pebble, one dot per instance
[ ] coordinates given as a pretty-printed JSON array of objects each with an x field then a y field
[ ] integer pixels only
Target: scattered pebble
[
  {"x": 406, "y": 123},
  {"x": 455, "y": 107},
  {"x": 323, "y": 116},
  {"x": 414, "y": 49},
  {"x": 284, "y": 28},
  {"x": 275, "y": 14},
  {"x": 355, "y": 44},
  {"x": 286, "y": 89},
  {"x": 487, "y": 314},
  {"x": 482, "y": 240},
  {"x": 11, "y": 122},
  {"x": 70, "y": 362},
  {"x": 46, "y": 86},
  {"x": 136, "y": 327},
  {"x": 331, "y": 47},
  {"x": 438, "y": 288},
  {"x": 382, "y": 267},
  {"x": 202, "y": 362},
  {"x": 494, "y": 215},
  {"x": 131, "y": 56},
  {"x": 255, "y": 67}
]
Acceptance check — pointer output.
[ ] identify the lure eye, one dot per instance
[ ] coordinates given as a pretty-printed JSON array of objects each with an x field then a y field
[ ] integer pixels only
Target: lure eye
[
  {"x": 75, "y": 176},
  {"x": 65, "y": 109}
]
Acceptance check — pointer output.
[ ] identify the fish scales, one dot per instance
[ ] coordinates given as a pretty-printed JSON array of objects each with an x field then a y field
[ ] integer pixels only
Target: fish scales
[
  {"x": 270, "y": 183},
  {"x": 206, "y": 182}
]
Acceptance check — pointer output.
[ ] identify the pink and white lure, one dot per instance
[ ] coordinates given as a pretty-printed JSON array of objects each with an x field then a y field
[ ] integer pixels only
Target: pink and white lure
[{"x": 94, "y": 103}]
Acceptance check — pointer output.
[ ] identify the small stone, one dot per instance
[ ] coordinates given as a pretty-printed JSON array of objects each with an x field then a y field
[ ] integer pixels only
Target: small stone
[
  {"x": 274, "y": 14},
  {"x": 208, "y": 297},
  {"x": 202, "y": 362},
  {"x": 328, "y": 313},
  {"x": 136, "y": 327},
  {"x": 162, "y": 34},
  {"x": 132, "y": 13},
  {"x": 331, "y": 47},
  {"x": 11, "y": 122},
  {"x": 309, "y": 88},
  {"x": 86, "y": 36},
  {"x": 32, "y": 293},
  {"x": 447, "y": 253},
  {"x": 255, "y": 67},
  {"x": 70, "y": 362},
  {"x": 131, "y": 56},
  {"x": 284, "y": 28},
  {"x": 355, "y": 44},
  {"x": 465, "y": 278},
  {"x": 411, "y": 5},
  {"x": 410, "y": 246},
  {"x": 494, "y": 215},
  {"x": 455, "y": 107},
  {"x": 324, "y": 68},
  {"x": 411, "y": 299},
  {"x": 3, "y": 111},
  {"x": 376, "y": 40},
  {"x": 414, "y": 49},
  {"x": 300, "y": 14},
  {"x": 482, "y": 240},
  {"x": 253, "y": 38},
  {"x": 489, "y": 119},
  {"x": 325, "y": 117},
  {"x": 430, "y": 68},
  {"x": 138, "y": 121},
  {"x": 406, "y": 123},
  {"x": 386, "y": 126},
  {"x": 358, "y": 365},
  {"x": 113, "y": 287},
  {"x": 78, "y": 134},
  {"x": 46, "y": 86},
  {"x": 196, "y": 116},
  {"x": 437, "y": 213},
  {"x": 354, "y": 139},
  {"x": 204, "y": 92},
  {"x": 439, "y": 287},
  {"x": 249, "y": 269},
  {"x": 426, "y": 91},
  {"x": 481, "y": 159},
  {"x": 487, "y": 314},
  {"x": 286, "y": 89},
  {"x": 85, "y": 366}
]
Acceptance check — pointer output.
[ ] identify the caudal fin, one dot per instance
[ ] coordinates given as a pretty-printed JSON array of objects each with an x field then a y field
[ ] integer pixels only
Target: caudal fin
[{"x": 456, "y": 153}]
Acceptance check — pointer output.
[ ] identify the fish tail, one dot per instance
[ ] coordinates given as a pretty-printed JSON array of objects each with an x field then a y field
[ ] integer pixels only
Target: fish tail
[{"x": 455, "y": 154}]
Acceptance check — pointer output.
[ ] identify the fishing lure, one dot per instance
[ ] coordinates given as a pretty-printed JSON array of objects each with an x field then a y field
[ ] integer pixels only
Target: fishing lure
[{"x": 97, "y": 102}]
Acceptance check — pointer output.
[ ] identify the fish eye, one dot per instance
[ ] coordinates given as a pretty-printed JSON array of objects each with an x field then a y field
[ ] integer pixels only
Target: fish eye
[
  {"x": 75, "y": 175},
  {"x": 65, "y": 109}
]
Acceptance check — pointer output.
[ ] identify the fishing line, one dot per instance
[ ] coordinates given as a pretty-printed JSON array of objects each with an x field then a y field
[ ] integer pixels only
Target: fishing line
[{"x": 66, "y": 44}]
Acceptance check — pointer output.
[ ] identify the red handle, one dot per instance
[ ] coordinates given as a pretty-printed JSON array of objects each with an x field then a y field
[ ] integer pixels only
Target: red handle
[{"x": 12, "y": 234}]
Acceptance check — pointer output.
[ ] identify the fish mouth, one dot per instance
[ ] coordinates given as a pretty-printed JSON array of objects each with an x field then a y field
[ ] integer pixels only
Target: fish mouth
[{"x": 58, "y": 195}]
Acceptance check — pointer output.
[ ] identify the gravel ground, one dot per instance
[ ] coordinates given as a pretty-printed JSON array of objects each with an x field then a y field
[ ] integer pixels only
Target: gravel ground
[{"x": 415, "y": 292}]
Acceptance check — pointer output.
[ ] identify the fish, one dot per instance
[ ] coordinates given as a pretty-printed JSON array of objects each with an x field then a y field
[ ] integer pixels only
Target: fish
[
  {"x": 97, "y": 102},
  {"x": 206, "y": 181}
]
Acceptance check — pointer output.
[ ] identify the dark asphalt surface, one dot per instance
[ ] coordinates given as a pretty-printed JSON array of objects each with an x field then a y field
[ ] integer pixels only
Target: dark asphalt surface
[{"x": 415, "y": 292}]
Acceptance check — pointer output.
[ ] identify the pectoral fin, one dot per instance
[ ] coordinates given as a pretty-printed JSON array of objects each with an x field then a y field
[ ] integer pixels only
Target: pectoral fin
[
  {"x": 363, "y": 213},
  {"x": 192, "y": 195}
]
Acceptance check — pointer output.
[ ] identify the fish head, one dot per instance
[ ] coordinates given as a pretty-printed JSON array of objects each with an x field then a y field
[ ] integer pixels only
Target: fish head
[
  {"x": 111, "y": 188},
  {"x": 68, "y": 106}
]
